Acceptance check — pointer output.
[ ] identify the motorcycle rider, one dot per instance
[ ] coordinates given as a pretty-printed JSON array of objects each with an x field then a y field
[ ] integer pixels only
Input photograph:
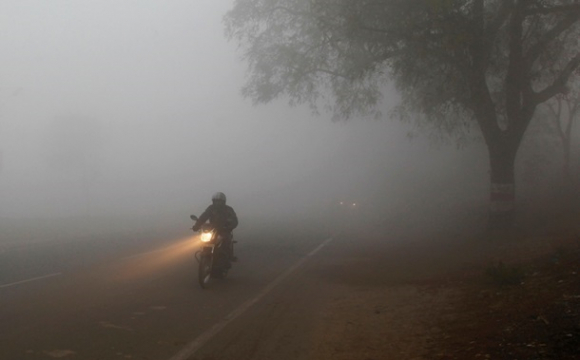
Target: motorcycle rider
[{"x": 223, "y": 218}]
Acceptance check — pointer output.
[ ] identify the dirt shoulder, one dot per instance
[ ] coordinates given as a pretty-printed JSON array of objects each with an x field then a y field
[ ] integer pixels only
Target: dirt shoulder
[
  {"x": 528, "y": 308},
  {"x": 445, "y": 296},
  {"x": 395, "y": 323}
]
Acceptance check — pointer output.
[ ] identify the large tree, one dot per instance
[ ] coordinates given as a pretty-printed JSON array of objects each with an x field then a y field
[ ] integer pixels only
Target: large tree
[{"x": 490, "y": 61}]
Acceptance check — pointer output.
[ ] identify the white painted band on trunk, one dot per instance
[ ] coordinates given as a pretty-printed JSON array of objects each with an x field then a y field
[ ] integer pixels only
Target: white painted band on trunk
[{"x": 202, "y": 339}]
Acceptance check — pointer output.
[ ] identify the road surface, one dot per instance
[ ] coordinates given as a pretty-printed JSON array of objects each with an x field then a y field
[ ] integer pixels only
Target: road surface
[{"x": 137, "y": 298}]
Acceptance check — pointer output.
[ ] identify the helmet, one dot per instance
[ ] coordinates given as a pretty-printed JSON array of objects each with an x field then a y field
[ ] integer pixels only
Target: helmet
[{"x": 219, "y": 196}]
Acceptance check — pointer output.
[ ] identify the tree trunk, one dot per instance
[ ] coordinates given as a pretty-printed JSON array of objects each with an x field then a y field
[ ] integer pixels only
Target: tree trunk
[{"x": 502, "y": 194}]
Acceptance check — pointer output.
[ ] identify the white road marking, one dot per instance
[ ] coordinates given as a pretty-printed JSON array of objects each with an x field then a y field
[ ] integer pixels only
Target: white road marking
[
  {"x": 29, "y": 280},
  {"x": 202, "y": 339}
]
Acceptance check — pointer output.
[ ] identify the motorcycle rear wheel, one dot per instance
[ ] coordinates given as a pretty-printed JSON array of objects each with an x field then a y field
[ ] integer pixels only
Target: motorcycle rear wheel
[
  {"x": 204, "y": 272},
  {"x": 221, "y": 266}
]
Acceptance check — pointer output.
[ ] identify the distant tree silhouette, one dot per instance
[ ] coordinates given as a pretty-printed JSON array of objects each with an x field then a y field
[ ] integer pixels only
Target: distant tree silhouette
[{"x": 453, "y": 61}]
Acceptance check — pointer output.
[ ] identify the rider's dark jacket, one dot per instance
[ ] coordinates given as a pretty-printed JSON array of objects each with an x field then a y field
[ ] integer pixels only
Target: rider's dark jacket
[{"x": 220, "y": 216}]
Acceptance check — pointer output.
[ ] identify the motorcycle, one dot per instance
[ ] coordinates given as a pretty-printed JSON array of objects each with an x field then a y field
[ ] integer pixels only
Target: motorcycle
[{"x": 213, "y": 258}]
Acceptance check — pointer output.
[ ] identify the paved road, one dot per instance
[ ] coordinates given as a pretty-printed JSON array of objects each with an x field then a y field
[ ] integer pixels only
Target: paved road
[{"x": 136, "y": 297}]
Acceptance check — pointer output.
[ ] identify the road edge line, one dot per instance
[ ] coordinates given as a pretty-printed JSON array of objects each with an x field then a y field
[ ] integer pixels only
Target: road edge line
[
  {"x": 29, "y": 280},
  {"x": 191, "y": 348}
]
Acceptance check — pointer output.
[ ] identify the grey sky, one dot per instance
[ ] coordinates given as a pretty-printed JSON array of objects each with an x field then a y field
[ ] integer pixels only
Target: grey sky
[{"x": 161, "y": 84}]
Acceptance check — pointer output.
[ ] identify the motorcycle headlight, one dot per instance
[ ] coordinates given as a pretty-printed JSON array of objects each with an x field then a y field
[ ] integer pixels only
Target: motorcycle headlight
[{"x": 206, "y": 236}]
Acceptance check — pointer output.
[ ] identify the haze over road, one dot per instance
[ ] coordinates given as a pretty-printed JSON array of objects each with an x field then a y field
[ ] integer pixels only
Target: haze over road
[{"x": 126, "y": 299}]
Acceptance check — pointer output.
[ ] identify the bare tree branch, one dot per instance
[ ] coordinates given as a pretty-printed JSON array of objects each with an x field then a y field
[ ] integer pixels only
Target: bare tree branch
[
  {"x": 506, "y": 9},
  {"x": 559, "y": 84},
  {"x": 540, "y": 46}
]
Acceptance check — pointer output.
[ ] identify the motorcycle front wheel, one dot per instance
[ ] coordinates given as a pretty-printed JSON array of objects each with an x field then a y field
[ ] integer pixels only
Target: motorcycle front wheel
[{"x": 204, "y": 271}]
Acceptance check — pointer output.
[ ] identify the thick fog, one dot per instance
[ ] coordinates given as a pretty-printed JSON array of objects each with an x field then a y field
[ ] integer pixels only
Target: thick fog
[{"x": 133, "y": 108}]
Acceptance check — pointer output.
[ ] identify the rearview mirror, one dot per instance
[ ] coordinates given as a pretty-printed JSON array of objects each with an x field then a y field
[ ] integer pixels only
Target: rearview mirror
[{"x": 193, "y": 217}]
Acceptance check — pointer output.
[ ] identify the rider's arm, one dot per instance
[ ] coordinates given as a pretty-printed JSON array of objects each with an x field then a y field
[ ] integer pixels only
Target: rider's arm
[
  {"x": 233, "y": 219},
  {"x": 202, "y": 218}
]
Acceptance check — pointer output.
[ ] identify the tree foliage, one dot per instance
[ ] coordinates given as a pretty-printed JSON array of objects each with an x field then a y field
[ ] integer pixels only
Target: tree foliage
[
  {"x": 452, "y": 61},
  {"x": 344, "y": 51}
]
